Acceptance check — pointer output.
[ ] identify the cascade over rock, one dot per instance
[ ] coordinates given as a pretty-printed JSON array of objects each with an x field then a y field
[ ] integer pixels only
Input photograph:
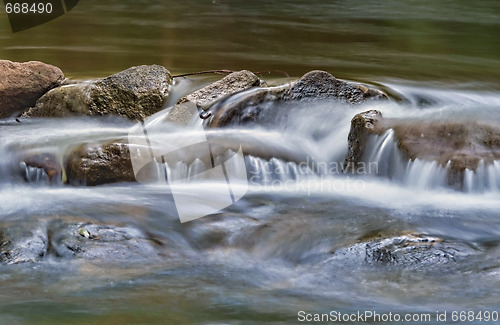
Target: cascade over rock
[{"x": 451, "y": 144}]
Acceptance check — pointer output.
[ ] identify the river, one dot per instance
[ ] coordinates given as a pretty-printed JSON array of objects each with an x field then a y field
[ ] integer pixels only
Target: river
[{"x": 337, "y": 243}]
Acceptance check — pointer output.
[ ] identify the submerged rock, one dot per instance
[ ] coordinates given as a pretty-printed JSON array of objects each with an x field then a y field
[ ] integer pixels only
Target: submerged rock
[
  {"x": 249, "y": 107},
  {"x": 135, "y": 93},
  {"x": 22, "y": 241},
  {"x": 409, "y": 251},
  {"x": 106, "y": 243},
  {"x": 21, "y": 84},
  {"x": 96, "y": 164},
  {"x": 69, "y": 237}
]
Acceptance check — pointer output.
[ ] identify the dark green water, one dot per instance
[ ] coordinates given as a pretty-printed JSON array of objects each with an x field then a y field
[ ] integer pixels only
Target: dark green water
[
  {"x": 274, "y": 253},
  {"x": 445, "y": 41}
]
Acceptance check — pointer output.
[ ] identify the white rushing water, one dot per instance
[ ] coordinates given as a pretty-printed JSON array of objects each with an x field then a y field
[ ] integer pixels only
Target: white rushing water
[
  {"x": 311, "y": 142},
  {"x": 303, "y": 226}
]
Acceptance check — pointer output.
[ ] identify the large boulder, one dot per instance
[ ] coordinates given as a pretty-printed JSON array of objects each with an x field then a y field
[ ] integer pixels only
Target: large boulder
[
  {"x": 135, "y": 93},
  {"x": 316, "y": 85},
  {"x": 97, "y": 164},
  {"x": 22, "y": 84}
]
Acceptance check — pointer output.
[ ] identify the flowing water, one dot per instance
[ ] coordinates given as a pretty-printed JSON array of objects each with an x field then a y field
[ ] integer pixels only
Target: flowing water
[{"x": 305, "y": 237}]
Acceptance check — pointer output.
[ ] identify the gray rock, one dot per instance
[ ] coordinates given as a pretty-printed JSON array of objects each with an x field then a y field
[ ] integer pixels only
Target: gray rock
[
  {"x": 320, "y": 85},
  {"x": 409, "y": 251},
  {"x": 135, "y": 93},
  {"x": 22, "y": 241},
  {"x": 106, "y": 243},
  {"x": 234, "y": 99},
  {"x": 70, "y": 237},
  {"x": 22, "y": 84},
  {"x": 362, "y": 126}
]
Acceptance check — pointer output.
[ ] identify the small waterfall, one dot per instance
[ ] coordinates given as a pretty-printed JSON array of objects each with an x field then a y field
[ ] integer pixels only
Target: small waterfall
[
  {"x": 425, "y": 174},
  {"x": 259, "y": 171},
  {"x": 384, "y": 153},
  {"x": 382, "y": 150},
  {"x": 34, "y": 175},
  {"x": 265, "y": 172},
  {"x": 486, "y": 178}
]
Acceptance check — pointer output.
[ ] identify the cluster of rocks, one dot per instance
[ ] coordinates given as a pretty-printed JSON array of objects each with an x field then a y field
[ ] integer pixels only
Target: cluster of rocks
[
  {"x": 35, "y": 89},
  {"x": 139, "y": 92}
]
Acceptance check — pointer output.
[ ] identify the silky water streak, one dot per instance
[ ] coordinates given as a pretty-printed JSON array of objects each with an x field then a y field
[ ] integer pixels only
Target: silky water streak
[{"x": 184, "y": 160}]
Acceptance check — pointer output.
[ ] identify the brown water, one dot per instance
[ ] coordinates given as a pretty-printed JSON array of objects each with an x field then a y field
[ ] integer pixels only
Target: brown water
[{"x": 276, "y": 252}]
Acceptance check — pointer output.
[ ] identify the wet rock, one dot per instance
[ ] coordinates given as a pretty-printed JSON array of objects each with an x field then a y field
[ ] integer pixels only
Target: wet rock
[
  {"x": 69, "y": 237},
  {"x": 106, "y": 243},
  {"x": 249, "y": 107},
  {"x": 412, "y": 250},
  {"x": 362, "y": 126},
  {"x": 235, "y": 82},
  {"x": 416, "y": 250},
  {"x": 33, "y": 165},
  {"x": 320, "y": 85},
  {"x": 22, "y": 84},
  {"x": 458, "y": 145},
  {"x": 96, "y": 164},
  {"x": 22, "y": 241},
  {"x": 135, "y": 93},
  {"x": 462, "y": 145}
]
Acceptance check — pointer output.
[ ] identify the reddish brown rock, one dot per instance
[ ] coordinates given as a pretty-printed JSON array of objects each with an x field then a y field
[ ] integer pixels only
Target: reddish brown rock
[
  {"x": 48, "y": 162},
  {"x": 22, "y": 84}
]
